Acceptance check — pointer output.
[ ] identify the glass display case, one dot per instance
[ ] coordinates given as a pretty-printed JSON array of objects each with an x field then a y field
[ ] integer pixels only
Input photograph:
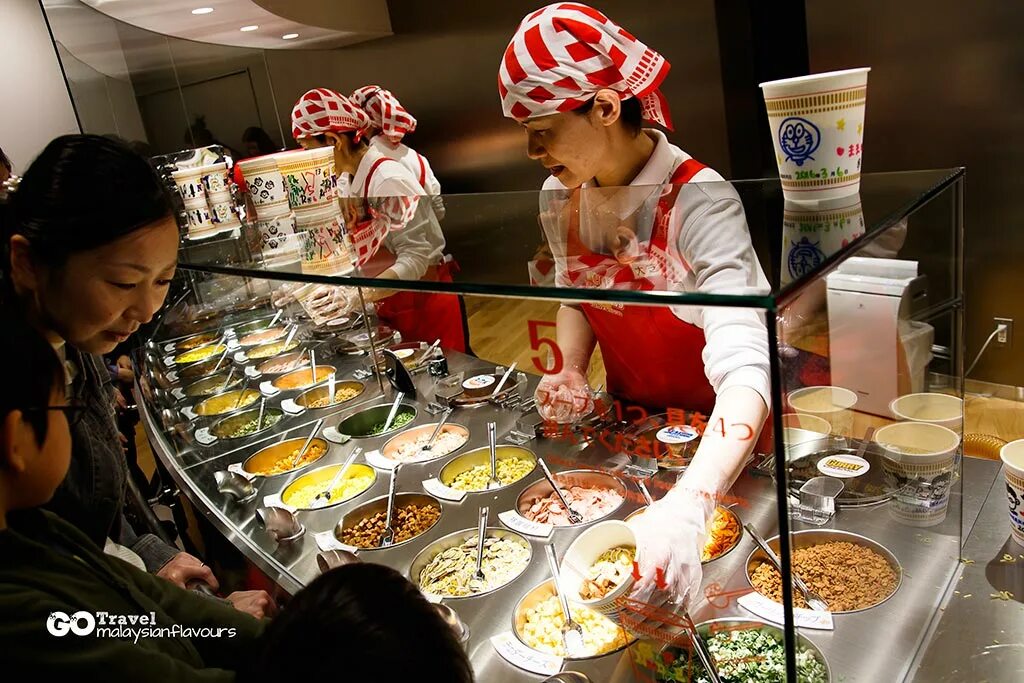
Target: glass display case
[{"x": 856, "y": 480}]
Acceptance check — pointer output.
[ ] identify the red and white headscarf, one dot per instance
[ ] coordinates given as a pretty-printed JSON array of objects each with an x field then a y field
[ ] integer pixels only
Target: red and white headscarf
[
  {"x": 565, "y": 52},
  {"x": 385, "y": 112},
  {"x": 322, "y": 110}
]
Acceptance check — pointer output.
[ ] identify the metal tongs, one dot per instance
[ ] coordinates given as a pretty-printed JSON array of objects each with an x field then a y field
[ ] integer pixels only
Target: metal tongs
[
  {"x": 309, "y": 440},
  {"x": 437, "y": 430},
  {"x": 574, "y": 517},
  {"x": 326, "y": 494},
  {"x": 493, "y": 482},
  {"x": 812, "y": 599},
  {"x": 572, "y": 633},
  {"x": 394, "y": 411},
  {"x": 481, "y": 535},
  {"x": 388, "y": 537}
]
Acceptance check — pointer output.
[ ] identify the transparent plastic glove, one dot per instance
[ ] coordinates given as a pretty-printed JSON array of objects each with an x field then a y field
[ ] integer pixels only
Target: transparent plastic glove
[
  {"x": 285, "y": 294},
  {"x": 326, "y": 303},
  {"x": 670, "y": 537},
  {"x": 565, "y": 397},
  {"x": 438, "y": 204}
]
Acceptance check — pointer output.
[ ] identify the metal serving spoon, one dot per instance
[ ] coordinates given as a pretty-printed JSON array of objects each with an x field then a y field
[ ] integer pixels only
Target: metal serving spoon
[{"x": 810, "y": 597}]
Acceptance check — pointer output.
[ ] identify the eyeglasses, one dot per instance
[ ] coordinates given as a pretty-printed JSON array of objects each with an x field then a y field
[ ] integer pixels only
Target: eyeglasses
[{"x": 73, "y": 412}]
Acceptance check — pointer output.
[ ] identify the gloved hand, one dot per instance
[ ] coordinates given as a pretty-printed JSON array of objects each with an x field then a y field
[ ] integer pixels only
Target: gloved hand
[
  {"x": 670, "y": 538},
  {"x": 324, "y": 303},
  {"x": 285, "y": 294},
  {"x": 564, "y": 397},
  {"x": 438, "y": 203}
]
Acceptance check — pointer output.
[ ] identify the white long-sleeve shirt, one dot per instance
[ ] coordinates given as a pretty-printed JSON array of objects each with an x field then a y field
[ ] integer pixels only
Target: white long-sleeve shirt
[
  {"x": 420, "y": 243},
  {"x": 417, "y": 165},
  {"x": 709, "y": 251}
]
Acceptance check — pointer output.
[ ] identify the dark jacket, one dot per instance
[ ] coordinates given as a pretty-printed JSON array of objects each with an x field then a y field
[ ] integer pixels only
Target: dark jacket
[
  {"x": 92, "y": 495},
  {"x": 47, "y": 566}
]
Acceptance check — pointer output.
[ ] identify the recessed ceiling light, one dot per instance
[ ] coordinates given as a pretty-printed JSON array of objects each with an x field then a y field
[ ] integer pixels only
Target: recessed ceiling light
[
  {"x": 252, "y": 27},
  {"x": 202, "y": 10},
  {"x": 289, "y": 36}
]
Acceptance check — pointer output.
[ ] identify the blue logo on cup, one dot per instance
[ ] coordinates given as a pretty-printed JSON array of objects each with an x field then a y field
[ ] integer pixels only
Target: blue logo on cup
[
  {"x": 798, "y": 138},
  {"x": 804, "y": 257}
]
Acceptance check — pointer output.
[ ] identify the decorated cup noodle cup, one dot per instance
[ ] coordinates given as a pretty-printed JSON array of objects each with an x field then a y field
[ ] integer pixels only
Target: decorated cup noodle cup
[
  {"x": 199, "y": 220},
  {"x": 832, "y": 404},
  {"x": 813, "y": 231},
  {"x": 277, "y": 238},
  {"x": 223, "y": 212},
  {"x": 214, "y": 177},
  {"x": 939, "y": 409},
  {"x": 309, "y": 176},
  {"x": 263, "y": 181},
  {"x": 919, "y": 464},
  {"x": 817, "y": 128},
  {"x": 583, "y": 553},
  {"x": 190, "y": 185},
  {"x": 1012, "y": 455},
  {"x": 322, "y": 236}
]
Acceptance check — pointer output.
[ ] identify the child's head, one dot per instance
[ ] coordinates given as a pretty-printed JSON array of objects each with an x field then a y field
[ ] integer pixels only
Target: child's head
[
  {"x": 370, "y": 623},
  {"x": 35, "y": 438}
]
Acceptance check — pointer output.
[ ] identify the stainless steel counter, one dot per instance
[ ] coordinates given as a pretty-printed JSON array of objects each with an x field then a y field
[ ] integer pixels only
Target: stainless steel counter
[
  {"x": 979, "y": 638},
  {"x": 876, "y": 645}
]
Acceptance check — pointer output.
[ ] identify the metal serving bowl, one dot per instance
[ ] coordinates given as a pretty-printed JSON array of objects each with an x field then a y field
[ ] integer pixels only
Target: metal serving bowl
[
  {"x": 359, "y": 424},
  {"x": 213, "y": 384},
  {"x": 708, "y": 628},
  {"x": 358, "y": 342},
  {"x": 720, "y": 508},
  {"x": 217, "y": 350},
  {"x": 317, "y": 393},
  {"x": 425, "y": 556},
  {"x": 278, "y": 333},
  {"x": 203, "y": 368},
  {"x": 225, "y": 427},
  {"x": 192, "y": 342},
  {"x": 369, "y": 509},
  {"x": 266, "y": 367},
  {"x": 322, "y": 477},
  {"x": 812, "y": 537},
  {"x": 203, "y": 408},
  {"x": 537, "y": 595},
  {"x": 409, "y": 353},
  {"x": 482, "y": 456},
  {"x": 255, "y": 353},
  {"x": 590, "y": 478},
  {"x": 411, "y": 434},
  {"x": 323, "y": 374},
  {"x": 265, "y": 458}
]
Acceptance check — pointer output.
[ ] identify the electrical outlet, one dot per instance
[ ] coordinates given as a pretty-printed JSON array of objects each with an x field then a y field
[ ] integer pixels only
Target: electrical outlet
[{"x": 1005, "y": 337}]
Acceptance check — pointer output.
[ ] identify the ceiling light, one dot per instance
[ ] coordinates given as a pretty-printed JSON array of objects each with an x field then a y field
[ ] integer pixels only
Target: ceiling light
[
  {"x": 289, "y": 36},
  {"x": 202, "y": 10},
  {"x": 251, "y": 27}
]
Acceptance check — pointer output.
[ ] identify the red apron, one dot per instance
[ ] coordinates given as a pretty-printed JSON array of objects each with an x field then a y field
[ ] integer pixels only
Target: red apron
[
  {"x": 421, "y": 316},
  {"x": 652, "y": 358}
]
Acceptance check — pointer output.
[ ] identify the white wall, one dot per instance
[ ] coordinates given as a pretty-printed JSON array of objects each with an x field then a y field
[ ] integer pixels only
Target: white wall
[{"x": 35, "y": 106}]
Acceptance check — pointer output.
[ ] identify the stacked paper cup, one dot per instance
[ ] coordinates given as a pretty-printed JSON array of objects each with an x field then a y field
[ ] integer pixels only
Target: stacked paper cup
[
  {"x": 274, "y": 219},
  {"x": 207, "y": 197},
  {"x": 311, "y": 190},
  {"x": 817, "y": 128}
]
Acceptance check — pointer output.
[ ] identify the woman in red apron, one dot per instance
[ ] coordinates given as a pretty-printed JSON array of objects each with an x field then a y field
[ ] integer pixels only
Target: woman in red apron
[
  {"x": 395, "y": 235},
  {"x": 626, "y": 209}
]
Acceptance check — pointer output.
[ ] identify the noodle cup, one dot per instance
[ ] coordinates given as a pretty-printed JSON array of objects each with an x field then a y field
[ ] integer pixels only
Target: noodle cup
[
  {"x": 814, "y": 231},
  {"x": 190, "y": 185},
  {"x": 806, "y": 422},
  {"x": 817, "y": 128},
  {"x": 919, "y": 464},
  {"x": 321, "y": 235},
  {"x": 832, "y": 404},
  {"x": 265, "y": 184},
  {"x": 583, "y": 553},
  {"x": 1012, "y": 455},
  {"x": 309, "y": 176},
  {"x": 938, "y": 409},
  {"x": 200, "y": 220},
  {"x": 214, "y": 178}
]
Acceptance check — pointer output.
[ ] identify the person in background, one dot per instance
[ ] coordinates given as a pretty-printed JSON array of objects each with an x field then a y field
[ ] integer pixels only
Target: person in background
[
  {"x": 363, "y": 615},
  {"x": 6, "y": 169},
  {"x": 87, "y": 263},
  {"x": 389, "y": 124},
  {"x": 624, "y": 208},
  {"x": 257, "y": 142},
  {"x": 50, "y": 570},
  {"x": 396, "y": 236}
]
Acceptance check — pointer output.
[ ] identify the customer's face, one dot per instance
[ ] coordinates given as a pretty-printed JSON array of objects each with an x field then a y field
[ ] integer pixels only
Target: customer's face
[
  {"x": 36, "y": 470},
  {"x": 99, "y": 297}
]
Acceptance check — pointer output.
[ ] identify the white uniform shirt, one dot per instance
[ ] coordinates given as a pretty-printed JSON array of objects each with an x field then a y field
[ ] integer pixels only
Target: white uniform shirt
[
  {"x": 420, "y": 243},
  {"x": 411, "y": 159},
  {"x": 709, "y": 248}
]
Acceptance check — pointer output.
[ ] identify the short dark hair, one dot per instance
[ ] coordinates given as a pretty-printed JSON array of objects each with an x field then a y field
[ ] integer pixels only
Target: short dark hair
[
  {"x": 351, "y": 135},
  {"x": 81, "y": 192},
  {"x": 631, "y": 114},
  {"x": 28, "y": 383},
  {"x": 368, "y": 617}
]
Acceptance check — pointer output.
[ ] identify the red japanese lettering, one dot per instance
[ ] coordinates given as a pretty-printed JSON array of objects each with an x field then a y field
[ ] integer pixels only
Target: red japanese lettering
[{"x": 537, "y": 342}]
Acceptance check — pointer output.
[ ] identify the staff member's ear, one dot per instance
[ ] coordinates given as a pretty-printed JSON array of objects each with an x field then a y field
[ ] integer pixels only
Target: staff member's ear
[{"x": 607, "y": 108}]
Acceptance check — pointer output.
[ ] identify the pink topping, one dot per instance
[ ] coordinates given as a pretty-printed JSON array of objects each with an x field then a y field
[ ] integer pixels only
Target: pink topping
[{"x": 591, "y": 502}]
